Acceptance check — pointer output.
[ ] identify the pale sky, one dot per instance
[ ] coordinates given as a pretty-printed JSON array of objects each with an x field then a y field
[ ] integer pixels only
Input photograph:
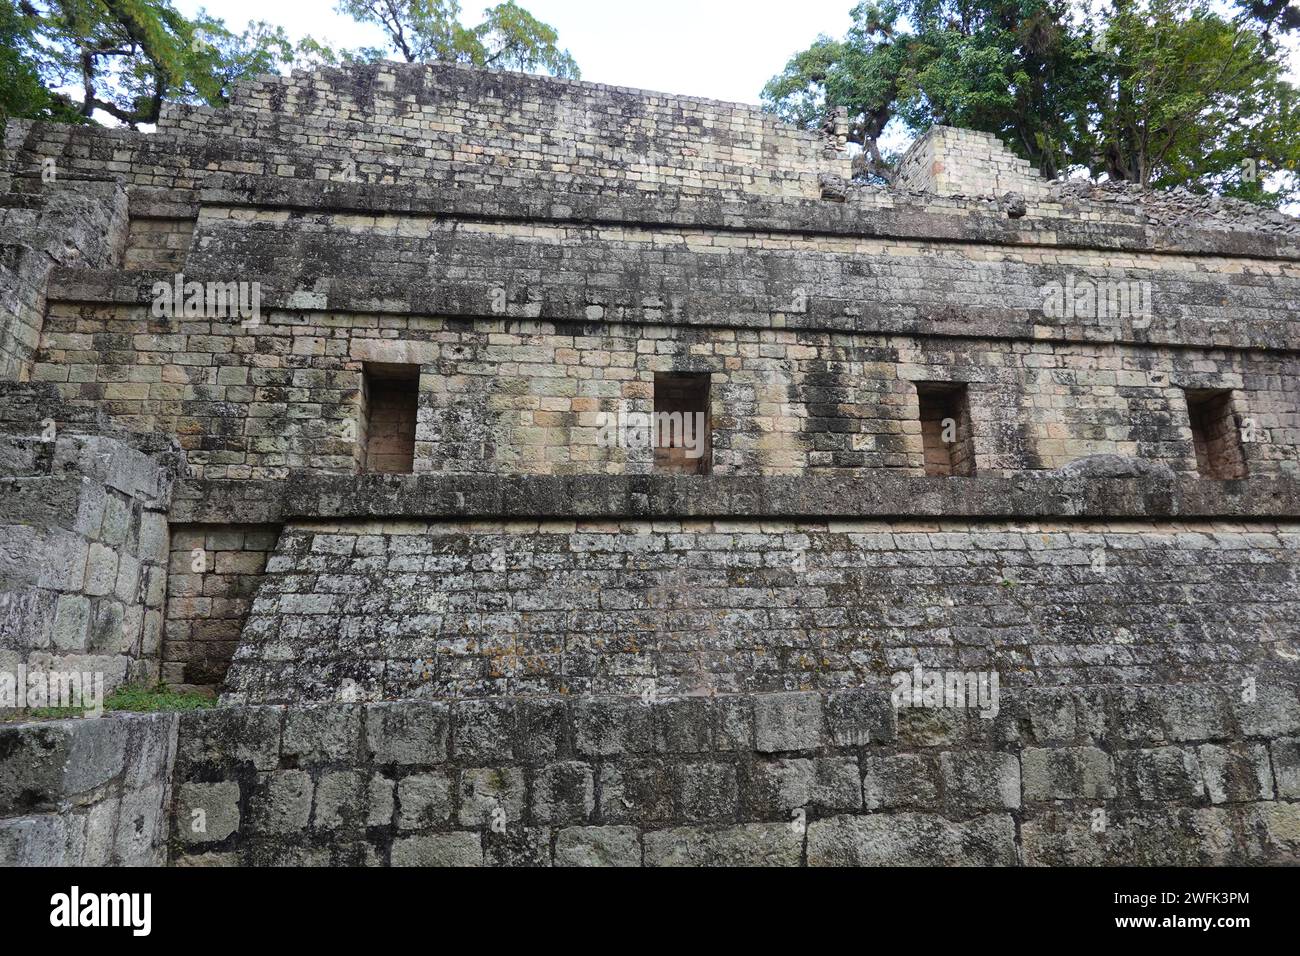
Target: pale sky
[{"x": 723, "y": 49}]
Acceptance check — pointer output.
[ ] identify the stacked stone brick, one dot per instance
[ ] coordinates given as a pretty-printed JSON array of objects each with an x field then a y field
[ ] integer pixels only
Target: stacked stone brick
[{"x": 399, "y": 485}]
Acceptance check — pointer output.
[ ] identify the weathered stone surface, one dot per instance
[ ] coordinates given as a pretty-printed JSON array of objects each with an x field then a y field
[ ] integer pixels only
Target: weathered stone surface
[
  {"x": 903, "y": 780},
  {"x": 1165, "y": 773},
  {"x": 912, "y": 839},
  {"x": 207, "y": 812},
  {"x": 283, "y": 802},
  {"x": 1068, "y": 774},
  {"x": 407, "y": 733},
  {"x": 564, "y": 793},
  {"x": 598, "y": 846},
  {"x": 1286, "y": 766},
  {"x": 772, "y": 844},
  {"x": 1236, "y": 774},
  {"x": 439, "y": 849},
  {"x": 489, "y": 796},
  {"x": 90, "y": 792},
  {"x": 786, "y": 722},
  {"x": 980, "y": 781},
  {"x": 424, "y": 801},
  {"x": 558, "y": 643}
]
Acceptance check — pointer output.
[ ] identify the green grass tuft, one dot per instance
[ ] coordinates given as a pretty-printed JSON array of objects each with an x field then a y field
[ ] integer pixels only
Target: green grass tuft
[{"x": 157, "y": 699}]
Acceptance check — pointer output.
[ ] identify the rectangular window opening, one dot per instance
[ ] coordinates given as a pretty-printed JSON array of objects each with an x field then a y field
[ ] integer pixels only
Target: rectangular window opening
[
  {"x": 946, "y": 433},
  {"x": 1216, "y": 434},
  {"x": 390, "y": 398},
  {"x": 682, "y": 427}
]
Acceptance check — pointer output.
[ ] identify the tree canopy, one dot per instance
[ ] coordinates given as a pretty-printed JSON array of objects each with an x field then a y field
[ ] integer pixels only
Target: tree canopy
[
  {"x": 1156, "y": 92},
  {"x": 73, "y": 59},
  {"x": 420, "y": 31}
]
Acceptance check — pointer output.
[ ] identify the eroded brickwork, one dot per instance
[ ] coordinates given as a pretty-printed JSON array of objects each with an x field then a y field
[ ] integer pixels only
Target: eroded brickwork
[
  {"x": 158, "y": 243},
  {"x": 471, "y": 610},
  {"x": 83, "y": 546},
  {"x": 1183, "y": 776},
  {"x": 213, "y": 574},
  {"x": 540, "y": 258},
  {"x": 524, "y": 397}
]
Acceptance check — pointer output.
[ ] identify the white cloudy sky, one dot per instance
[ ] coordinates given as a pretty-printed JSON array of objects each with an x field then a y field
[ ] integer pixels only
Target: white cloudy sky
[{"x": 725, "y": 49}]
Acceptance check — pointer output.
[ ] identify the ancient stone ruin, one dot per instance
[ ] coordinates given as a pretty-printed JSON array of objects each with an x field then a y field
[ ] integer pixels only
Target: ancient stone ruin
[{"x": 549, "y": 473}]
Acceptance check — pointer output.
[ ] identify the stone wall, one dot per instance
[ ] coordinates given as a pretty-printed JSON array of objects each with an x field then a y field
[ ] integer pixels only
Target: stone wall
[
  {"x": 391, "y": 123},
  {"x": 518, "y": 397},
  {"x": 774, "y": 277},
  {"x": 83, "y": 552},
  {"x": 962, "y": 162},
  {"x": 390, "y": 610},
  {"x": 1174, "y": 776},
  {"x": 158, "y": 243},
  {"x": 87, "y": 792},
  {"x": 59, "y": 222},
  {"x": 213, "y": 573},
  {"x": 533, "y": 253}
]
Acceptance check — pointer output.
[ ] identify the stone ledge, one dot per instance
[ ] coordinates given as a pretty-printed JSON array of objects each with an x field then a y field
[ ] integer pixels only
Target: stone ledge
[
  {"x": 86, "y": 792},
  {"x": 820, "y": 496},
  {"x": 340, "y": 294},
  {"x": 909, "y": 218}
]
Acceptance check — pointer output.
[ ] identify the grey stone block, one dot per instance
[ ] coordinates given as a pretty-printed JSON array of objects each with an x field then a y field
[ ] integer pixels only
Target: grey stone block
[
  {"x": 1067, "y": 774},
  {"x": 32, "y": 769},
  {"x": 564, "y": 793},
  {"x": 752, "y": 844},
  {"x": 410, "y": 733},
  {"x": 484, "y": 730},
  {"x": 1239, "y": 773},
  {"x": 439, "y": 849},
  {"x": 1286, "y": 766},
  {"x": 826, "y": 784},
  {"x": 281, "y": 803},
  {"x": 858, "y": 718},
  {"x": 635, "y": 792},
  {"x": 325, "y": 734},
  {"x": 342, "y": 801},
  {"x": 704, "y": 791},
  {"x": 912, "y": 839},
  {"x": 517, "y": 847},
  {"x": 226, "y": 736},
  {"x": 206, "y": 812},
  {"x": 787, "y": 722},
  {"x": 72, "y": 623},
  {"x": 975, "y": 781},
  {"x": 607, "y": 727},
  {"x": 1274, "y": 712},
  {"x": 485, "y": 791},
  {"x": 683, "y": 726},
  {"x": 33, "y": 841},
  {"x": 598, "y": 846},
  {"x": 424, "y": 801},
  {"x": 140, "y": 835},
  {"x": 900, "y": 780},
  {"x": 1161, "y": 774}
]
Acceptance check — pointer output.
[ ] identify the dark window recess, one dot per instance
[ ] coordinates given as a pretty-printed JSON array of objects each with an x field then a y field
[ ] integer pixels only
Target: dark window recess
[
  {"x": 946, "y": 429},
  {"x": 389, "y": 402},
  {"x": 1216, "y": 434},
  {"x": 682, "y": 426}
]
